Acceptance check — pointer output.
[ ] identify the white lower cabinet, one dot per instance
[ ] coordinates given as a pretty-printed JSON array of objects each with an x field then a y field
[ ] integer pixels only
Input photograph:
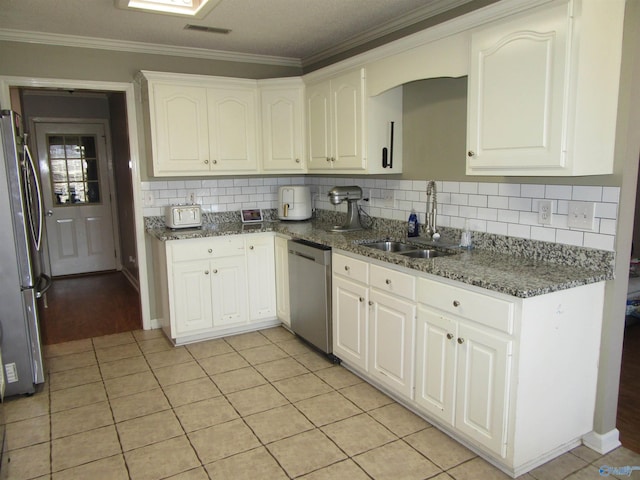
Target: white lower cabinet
[
  {"x": 209, "y": 287},
  {"x": 512, "y": 378}
]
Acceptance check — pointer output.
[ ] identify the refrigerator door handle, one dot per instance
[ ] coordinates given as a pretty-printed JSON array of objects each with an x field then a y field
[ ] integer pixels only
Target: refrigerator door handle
[
  {"x": 44, "y": 284},
  {"x": 37, "y": 235}
]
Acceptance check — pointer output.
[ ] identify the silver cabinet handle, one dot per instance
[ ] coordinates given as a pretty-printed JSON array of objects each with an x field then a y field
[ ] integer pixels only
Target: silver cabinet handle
[
  {"x": 346, "y": 267},
  {"x": 206, "y": 272},
  {"x": 206, "y": 162},
  {"x": 361, "y": 299},
  {"x": 460, "y": 340},
  {"x": 215, "y": 161},
  {"x": 49, "y": 213},
  {"x": 387, "y": 281},
  {"x": 449, "y": 336},
  {"x": 297, "y": 160},
  {"x": 456, "y": 303},
  {"x": 210, "y": 250},
  {"x": 370, "y": 303},
  {"x": 471, "y": 153},
  {"x": 251, "y": 247},
  {"x": 215, "y": 271}
]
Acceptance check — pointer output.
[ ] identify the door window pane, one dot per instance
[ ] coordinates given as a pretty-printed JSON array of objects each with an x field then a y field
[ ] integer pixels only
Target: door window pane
[{"x": 73, "y": 164}]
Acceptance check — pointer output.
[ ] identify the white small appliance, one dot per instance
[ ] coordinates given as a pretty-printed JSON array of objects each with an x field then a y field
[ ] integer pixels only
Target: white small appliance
[
  {"x": 183, "y": 216},
  {"x": 294, "y": 202}
]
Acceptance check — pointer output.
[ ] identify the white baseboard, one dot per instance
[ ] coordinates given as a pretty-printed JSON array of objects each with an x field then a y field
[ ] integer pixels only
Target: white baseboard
[
  {"x": 602, "y": 442},
  {"x": 155, "y": 323},
  {"x": 132, "y": 279}
]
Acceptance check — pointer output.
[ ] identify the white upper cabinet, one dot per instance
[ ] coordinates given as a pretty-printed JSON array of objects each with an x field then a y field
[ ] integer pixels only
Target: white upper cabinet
[
  {"x": 543, "y": 90},
  {"x": 282, "y": 103}
]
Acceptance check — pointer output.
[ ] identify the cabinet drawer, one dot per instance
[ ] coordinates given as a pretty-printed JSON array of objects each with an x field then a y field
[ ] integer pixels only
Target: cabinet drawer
[
  {"x": 356, "y": 270},
  {"x": 483, "y": 309},
  {"x": 392, "y": 281},
  {"x": 206, "y": 248}
]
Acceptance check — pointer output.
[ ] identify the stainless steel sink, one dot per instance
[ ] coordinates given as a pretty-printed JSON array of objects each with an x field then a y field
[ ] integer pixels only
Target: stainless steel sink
[
  {"x": 390, "y": 246},
  {"x": 426, "y": 253}
]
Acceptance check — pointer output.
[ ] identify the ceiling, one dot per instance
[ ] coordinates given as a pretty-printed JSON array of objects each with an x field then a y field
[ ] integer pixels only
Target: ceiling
[{"x": 302, "y": 31}]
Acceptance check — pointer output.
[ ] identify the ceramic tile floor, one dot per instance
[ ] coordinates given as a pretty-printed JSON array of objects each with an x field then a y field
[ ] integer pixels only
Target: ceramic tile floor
[{"x": 258, "y": 405}]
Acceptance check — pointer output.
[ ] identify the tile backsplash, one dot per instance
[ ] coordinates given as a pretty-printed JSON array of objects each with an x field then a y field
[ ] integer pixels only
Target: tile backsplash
[{"x": 508, "y": 209}]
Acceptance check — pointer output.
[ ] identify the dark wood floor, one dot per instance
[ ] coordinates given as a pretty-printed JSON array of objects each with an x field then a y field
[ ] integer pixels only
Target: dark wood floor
[
  {"x": 89, "y": 306},
  {"x": 629, "y": 398}
]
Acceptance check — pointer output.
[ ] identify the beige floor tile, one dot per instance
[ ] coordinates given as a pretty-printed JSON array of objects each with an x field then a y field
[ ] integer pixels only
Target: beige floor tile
[
  {"x": 280, "y": 369},
  {"x": 301, "y": 387},
  {"x": 20, "y": 408},
  {"x": 366, "y": 397},
  {"x": 162, "y": 459},
  {"x": 440, "y": 448},
  {"x": 81, "y": 419},
  {"x": 293, "y": 453},
  {"x": 126, "y": 366},
  {"x": 110, "y": 468},
  {"x": 620, "y": 457},
  {"x": 588, "y": 473},
  {"x": 84, "y": 447},
  {"x": 159, "y": 344},
  {"x": 71, "y": 361},
  {"x": 141, "y": 335},
  {"x": 279, "y": 423},
  {"x": 66, "y": 348},
  {"x": 399, "y": 420},
  {"x": 118, "y": 352},
  {"x": 314, "y": 361},
  {"x": 295, "y": 347},
  {"x": 194, "y": 474},
  {"x": 327, "y": 408},
  {"x": 257, "y": 399},
  {"x": 396, "y": 460},
  {"x": 206, "y": 413},
  {"x": 139, "y": 405},
  {"x": 143, "y": 431},
  {"x": 75, "y": 377},
  {"x": 209, "y": 348},
  {"x": 263, "y": 354},
  {"x": 358, "y": 434},
  {"x": 237, "y": 380},
  {"x": 77, "y": 396},
  {"x": 586, "y": 454},
  {"x": 27, "y": 463},
  {"x": 346, "y": 469},
  {"x": 477, "y": 468},
  {"x": 191, "y": 391},
  {"x": 559, "y": 467},
  {"x": 338, "y": 377},
  {"x": 130, "y": 384},
  {"x": 113, "y": 340},
  {"x": 225, "y": 362},
  {"x": 247, "y": 340},
  {"x": 169, "y": 357},
  {"x": 277, "y": 334},
  {"x": 249, "y": 465},
  {"x": 179, "y": 373},
  {"x": 25, "y": 433},
  {"x": 237, "y": 437}
]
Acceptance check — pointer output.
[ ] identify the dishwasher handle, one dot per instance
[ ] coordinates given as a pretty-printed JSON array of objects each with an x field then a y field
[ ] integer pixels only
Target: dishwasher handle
[{"x": 300, "y": 254}]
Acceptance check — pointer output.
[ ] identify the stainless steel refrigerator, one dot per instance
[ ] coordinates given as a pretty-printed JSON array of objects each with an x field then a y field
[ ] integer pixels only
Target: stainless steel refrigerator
[{"x": 22, "y": 244}]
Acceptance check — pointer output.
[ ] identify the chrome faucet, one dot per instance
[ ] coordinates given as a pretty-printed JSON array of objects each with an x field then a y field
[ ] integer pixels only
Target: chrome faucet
[{"x": 432, "y": 211}]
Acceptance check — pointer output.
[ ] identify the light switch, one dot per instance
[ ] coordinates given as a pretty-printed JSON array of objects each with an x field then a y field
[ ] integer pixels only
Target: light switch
[{"x": 581, "y": 215}]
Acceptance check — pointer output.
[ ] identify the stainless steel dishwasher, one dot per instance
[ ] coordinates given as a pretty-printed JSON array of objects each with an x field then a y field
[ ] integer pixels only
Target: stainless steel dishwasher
[{"x": 310, "y": 292}]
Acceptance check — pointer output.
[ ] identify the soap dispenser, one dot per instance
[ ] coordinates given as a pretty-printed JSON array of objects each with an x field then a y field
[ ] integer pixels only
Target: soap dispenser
[
  {"x": 465, "y": 238},
  {"x": 413, "y": 227}
]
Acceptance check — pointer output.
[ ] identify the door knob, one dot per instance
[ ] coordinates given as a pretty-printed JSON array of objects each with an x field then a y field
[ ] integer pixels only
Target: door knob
[{"x": 49, "y": 213}]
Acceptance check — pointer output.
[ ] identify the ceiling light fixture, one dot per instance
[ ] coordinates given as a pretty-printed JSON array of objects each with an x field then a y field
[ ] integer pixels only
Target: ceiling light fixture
[{"x": 183, "y": 8}]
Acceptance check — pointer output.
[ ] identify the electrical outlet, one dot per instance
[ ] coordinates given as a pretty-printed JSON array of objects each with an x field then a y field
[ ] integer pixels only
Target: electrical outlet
[
  {"x": 581, "y": 215},
  {"x": 191, "y": 197},
  {"x": 545, "y": 214},
  {"x": 388, "y": 198},
  {"x": 148, "y": 199}
]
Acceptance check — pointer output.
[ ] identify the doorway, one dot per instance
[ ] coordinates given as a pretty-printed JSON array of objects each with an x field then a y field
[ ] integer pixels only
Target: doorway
[{"x": 82, "y": 140}]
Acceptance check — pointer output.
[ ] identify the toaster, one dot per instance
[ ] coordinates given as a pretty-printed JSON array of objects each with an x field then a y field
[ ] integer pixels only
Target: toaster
[
  {"x": 294, "y": 202},
  {"x": 183, "y": 216}
]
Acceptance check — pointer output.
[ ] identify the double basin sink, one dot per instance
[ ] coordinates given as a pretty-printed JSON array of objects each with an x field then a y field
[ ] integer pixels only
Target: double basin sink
[{"x": 408, "y": 250}]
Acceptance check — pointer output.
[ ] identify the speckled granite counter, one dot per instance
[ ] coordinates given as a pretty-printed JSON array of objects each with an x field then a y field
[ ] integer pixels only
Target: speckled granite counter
[{"x": 522, "y": 275}]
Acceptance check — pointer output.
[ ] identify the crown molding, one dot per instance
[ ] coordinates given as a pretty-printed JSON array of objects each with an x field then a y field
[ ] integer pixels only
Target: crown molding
[{"x": 24, "y": 36}]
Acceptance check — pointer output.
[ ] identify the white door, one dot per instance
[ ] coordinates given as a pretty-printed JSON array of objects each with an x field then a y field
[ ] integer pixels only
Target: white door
[
  {"x": 73, "y": 161},
  {"x": 350, "y": 321},
  {"x": 261, "y": 276},
  {"x": 192, "y": 295}
]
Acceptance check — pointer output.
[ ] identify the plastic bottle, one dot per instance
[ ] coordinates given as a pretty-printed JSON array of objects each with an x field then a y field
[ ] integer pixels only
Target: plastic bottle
[
  {"x": 465, "y": 238},
  {"x": 413, "y": 228}
]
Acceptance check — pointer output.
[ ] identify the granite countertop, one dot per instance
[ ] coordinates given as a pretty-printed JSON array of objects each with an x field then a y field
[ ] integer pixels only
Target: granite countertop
[{"x": 514, "y": 275}]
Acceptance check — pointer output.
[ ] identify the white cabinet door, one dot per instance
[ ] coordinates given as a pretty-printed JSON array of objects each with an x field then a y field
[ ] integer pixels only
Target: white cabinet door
[
  {"x": 178, "y": 116},
  {"x": 191, "y": 297},
  {"x": 516, "y": 92},
  {"x": 261, "y": 276},
  {"x": 350, "y": 317},
  {"x": 232, "y": 129},
  {"x": 319, "y": 126},
  {"x": 283, "y": 129},
  {"x": 282, "y": 281},
  {"x": 346, "y": 102},
  {"x": 229, "y": 290},
  {"x": 484, "y": 362},
  {"x": 436, "y": 363},
  {"x": 391, "y": 334}
]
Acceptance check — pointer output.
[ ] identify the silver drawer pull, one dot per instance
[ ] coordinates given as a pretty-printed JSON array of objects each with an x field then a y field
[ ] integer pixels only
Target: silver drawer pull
[
  {"x": 361, "y": 299},
  {"x": 456, "y": 303},
  {"x": 387, "y": 281},
  {"x": 251, "y": 247},
  {"x": 210, "y": 250},
  {"x": 206, "y": 272},
  {"x": 215, "y": 162},
  {"x": 297, "y": 160},
  {"x": 346, "y": 267},
  {"x": 449, "y": 336},
  {"x": 370, "y": 303},
  {"x": 215, "y": 271},
  {"x": 206, "y": 162},
  {"x": 460, "y": 340}
]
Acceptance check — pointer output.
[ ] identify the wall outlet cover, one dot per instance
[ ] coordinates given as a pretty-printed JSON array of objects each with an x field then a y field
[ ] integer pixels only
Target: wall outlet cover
[
  {"x": 545, "y": 212},
  {"x": 581, "y": 215}
]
